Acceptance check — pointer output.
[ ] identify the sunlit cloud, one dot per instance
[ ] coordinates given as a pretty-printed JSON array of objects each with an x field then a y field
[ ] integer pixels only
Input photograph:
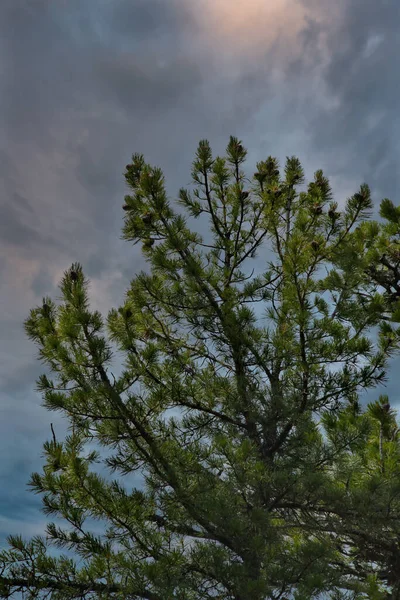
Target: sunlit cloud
[{"x": 248, "y": 29}]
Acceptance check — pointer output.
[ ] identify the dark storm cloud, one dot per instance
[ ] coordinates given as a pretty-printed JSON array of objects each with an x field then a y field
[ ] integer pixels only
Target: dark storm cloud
[
  {"x": 37, "y": 70},
  {"x": 25, "y": 507},
  {"x": 145, "y": 84},
  {"x": 60, "y": 56},
  {"x": 359, "y": 132},
  {"x": 82, "y": 91}
]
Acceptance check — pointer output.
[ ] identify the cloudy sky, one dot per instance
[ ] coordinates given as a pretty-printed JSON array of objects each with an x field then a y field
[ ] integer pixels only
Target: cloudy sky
[{"x": 85, "y": 83}]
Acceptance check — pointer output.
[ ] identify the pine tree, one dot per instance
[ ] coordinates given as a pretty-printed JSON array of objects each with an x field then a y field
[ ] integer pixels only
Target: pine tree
[{"x": 269, "y": 481}]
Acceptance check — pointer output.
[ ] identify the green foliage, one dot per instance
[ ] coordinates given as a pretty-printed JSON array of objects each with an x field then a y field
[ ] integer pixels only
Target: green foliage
[{"x": 269, "y": 480}]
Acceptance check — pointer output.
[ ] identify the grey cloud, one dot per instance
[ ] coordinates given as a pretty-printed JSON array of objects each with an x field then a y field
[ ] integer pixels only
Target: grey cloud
[
  {"x": 361, "y": 75},
  {"x": 23, "y": 466},
  {"x": 77, "y": 85},
  {"x": 147, "y": 19},
  {"x": 21, "y": 380},
  {"x": 20, "y": 226},
  {"x": 43, "y": 283},
  {"x": 64, "y": 57},
  {"x": 143, "y": 84},
  {"x": 12, "y": 229},
  {"x": 31, "y": 42}
]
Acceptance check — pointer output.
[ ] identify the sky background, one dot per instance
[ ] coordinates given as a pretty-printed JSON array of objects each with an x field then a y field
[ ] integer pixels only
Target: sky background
[{"x": 86, "y": 83}]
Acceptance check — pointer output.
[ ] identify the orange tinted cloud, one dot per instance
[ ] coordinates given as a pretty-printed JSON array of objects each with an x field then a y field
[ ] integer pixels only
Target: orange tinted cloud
[{"x": 249, "y": 27}]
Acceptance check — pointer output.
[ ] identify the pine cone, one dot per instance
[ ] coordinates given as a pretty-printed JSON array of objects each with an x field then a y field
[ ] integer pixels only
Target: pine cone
[
  {"x": 148, "y": 243},
  {"x": 386, "y": 407},
  {"x": 317, "y": 209},
  {"x": 276, "y": 191},
  {"x": 260, "y": 176},
  {"x": 147, "y": 218},
  {"x": 74, "y": 276},
  {"x": 244, "y": 195},
  {"x": 315, "y": 245},
  {"x": 126, "y": 207}
]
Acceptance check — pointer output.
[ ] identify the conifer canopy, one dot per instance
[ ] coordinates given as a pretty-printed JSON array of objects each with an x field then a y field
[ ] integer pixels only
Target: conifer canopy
[{"x": 238, "y": 410}]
